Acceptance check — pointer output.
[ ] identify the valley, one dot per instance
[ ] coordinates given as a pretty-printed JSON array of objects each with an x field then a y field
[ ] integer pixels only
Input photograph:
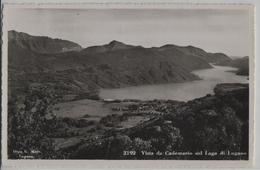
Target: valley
[{"x": 97, "y": 102}]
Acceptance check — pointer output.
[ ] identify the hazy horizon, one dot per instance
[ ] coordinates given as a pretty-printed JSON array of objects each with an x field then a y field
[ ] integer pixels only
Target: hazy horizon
[{"x": 214, "y": 30}]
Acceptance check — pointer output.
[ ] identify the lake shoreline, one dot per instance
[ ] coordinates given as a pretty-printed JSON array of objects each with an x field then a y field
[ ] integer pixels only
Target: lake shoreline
[
  {"x": 145, "y": 120},
  {"x": 183, "y": 91}
]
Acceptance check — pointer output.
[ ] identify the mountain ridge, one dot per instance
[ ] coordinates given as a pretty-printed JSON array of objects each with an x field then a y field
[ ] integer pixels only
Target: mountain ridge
[
  {"x": 111, "y": 65},
  {"x": 42, "y": 44}
]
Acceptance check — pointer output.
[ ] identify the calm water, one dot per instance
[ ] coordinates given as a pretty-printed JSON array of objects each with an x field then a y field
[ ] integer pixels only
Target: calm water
[{"x": 178, "y": 91}]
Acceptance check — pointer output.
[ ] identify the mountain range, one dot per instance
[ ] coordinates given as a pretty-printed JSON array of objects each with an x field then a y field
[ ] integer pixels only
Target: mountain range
[{"x": 35, "y": 60}]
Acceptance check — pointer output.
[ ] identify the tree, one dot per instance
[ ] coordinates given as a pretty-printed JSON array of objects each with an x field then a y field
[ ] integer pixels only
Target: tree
[{"x": 28, "y": 125}]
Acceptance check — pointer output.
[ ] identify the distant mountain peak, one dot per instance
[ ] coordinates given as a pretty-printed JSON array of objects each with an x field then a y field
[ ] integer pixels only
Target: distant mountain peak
[
  {"x": 114, "y": 42},
  {"x": 12, "y": 34},
  {"x": 41, "y": 44},
  {"x": 117, "y": 45},
  {"x": 166, "y": 46}
]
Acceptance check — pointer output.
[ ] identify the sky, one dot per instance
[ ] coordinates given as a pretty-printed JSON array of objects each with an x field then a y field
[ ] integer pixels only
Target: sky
[{"x": 214, "y": 30}]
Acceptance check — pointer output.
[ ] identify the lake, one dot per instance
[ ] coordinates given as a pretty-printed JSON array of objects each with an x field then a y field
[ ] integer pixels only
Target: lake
[{"x": 178, "y": 91}]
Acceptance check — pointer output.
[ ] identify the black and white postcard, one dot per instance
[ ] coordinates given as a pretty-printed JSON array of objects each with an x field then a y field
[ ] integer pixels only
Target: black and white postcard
[{"x": 128, "y": 82}]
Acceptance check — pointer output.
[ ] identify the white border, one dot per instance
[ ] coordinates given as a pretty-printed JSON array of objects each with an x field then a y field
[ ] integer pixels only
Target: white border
[{"x": 121, "y": 163}]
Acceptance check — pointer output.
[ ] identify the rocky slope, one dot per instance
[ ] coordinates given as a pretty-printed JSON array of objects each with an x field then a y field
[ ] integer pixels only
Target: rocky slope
[{"x": 35, "y": 60}]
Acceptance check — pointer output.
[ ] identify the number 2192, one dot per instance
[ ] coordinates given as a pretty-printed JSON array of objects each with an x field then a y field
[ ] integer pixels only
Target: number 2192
[{"x": 129, "y": 152}]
